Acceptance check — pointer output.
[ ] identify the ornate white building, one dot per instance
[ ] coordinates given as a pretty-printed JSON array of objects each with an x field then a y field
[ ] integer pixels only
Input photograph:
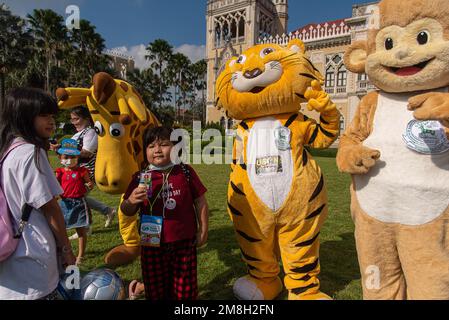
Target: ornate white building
[
  {"x": 120, "y": 62},
  {"x": 234, "y": 25}
]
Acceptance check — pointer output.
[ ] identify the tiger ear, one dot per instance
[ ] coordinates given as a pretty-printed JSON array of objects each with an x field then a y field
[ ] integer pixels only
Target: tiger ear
[
  {"x": 297, "y": 46},
  {"x": 231, "y": 61},
  {"x": 355, "y": 57}
]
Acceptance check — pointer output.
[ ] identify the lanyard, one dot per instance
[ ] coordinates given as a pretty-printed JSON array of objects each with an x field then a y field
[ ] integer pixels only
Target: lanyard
[{"x": 164, "y": 183}]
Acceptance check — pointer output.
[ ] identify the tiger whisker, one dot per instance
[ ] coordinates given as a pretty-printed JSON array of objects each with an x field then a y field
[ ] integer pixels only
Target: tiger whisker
[{"x": 224, "y": 78}]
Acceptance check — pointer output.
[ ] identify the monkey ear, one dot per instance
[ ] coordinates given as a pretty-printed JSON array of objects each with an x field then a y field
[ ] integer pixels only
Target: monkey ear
[
  {"x": 297, "y": 46},
  {"x": 355, "y": 57}
]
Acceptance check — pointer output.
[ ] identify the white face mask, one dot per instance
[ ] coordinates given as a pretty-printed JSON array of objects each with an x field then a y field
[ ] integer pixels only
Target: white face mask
[{"x": 68, "y": 162}]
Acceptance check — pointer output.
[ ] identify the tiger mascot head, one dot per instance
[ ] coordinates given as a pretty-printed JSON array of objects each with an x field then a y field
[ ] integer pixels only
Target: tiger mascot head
[{"x": 266, "y": 80}]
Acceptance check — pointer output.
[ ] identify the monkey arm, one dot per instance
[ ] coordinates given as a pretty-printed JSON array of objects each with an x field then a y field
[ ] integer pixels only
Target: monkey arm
[
  {"x": 352, "y": 156},
  {"x": 431, "y": 106}
]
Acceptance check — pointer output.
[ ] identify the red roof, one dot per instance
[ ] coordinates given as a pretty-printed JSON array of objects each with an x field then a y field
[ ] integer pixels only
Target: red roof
[{"x": 314, "y": 25}]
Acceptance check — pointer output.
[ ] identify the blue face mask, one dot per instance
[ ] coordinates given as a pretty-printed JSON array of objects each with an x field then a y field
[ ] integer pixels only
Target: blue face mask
[
  {"x": 152, "y": 167},
  {"x": 68, "y": 162}
]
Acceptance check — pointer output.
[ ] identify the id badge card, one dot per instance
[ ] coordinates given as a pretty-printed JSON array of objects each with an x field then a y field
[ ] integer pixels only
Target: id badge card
[{"x": 151, "y": 231}]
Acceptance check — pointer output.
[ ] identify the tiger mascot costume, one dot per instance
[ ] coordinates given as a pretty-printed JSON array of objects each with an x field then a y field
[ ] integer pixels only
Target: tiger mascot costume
[{"x": 277, "y": 198}]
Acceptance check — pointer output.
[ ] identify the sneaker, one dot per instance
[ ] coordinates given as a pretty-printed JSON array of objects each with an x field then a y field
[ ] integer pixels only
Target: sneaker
[
  {"x": 109, "y": 217},
  {"x": 75, "y": 235}
]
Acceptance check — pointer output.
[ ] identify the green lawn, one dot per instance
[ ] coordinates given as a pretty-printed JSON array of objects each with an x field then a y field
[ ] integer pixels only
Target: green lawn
[{"x": 220, "y": 263}]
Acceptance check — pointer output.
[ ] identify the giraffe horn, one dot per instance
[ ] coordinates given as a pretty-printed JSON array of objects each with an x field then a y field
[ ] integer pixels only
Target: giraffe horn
[
  {"x": 138, "y": 108},
  {"x": 125, "y": 117},
  {"x": 104, "y": 87}
]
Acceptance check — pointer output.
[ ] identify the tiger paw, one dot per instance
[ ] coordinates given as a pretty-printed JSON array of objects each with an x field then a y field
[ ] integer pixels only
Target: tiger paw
[
  {"x": 318, "y": 99},
  {"x": 249, "y": 288},
  {"x": 122, "y": 255},
  {"x": 312, "y": 296}
]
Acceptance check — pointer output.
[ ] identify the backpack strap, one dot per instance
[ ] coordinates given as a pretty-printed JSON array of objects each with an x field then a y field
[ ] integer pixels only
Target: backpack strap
[
  {"x": 26, "y": 209},
  {"x": 11, "y": 148},
  {"x": 186, "y": 171}
]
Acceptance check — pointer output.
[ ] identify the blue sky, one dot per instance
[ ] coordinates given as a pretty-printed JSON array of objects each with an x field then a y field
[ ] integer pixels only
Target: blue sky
[{"x": 129, "y": 25}]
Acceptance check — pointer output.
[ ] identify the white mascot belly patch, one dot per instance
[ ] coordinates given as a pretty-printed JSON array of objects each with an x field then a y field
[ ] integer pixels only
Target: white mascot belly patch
[
  {"x": 410, "y": 182},
  {"x": 270, "y": 164}
]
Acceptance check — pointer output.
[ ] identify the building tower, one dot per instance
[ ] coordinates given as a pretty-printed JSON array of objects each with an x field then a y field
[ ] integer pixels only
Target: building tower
[{"x": 232, "y": 27}]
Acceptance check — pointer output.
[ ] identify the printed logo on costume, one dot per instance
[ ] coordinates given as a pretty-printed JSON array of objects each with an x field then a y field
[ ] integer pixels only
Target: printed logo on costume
[
  {"x": 426, "y": 137},
  {"x": 282, "y": 136},
  {"x": 269, "y": 165}
]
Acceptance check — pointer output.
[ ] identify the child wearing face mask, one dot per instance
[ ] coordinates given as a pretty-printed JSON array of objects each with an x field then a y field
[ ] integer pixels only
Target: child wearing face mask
[{"x": 75, "y": 182}]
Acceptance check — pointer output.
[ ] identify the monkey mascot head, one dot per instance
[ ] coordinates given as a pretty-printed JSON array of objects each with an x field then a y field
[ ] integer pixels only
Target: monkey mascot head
[{"x": 407, "y": 48}]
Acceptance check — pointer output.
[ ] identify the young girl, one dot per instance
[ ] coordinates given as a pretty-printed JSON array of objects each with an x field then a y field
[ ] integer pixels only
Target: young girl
[
  {"x": 74, "y": 180},
  {"x": 31, "y": 272},
  {"x": 173, "y": 218}
]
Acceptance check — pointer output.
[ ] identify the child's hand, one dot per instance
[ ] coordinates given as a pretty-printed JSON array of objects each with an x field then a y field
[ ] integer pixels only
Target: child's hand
[
  {"x": 90, "y": 185},
  {"x": 68, "y": 258},
  {"x": 54, "y": 147},
  {"x": 138, "y": 196}
]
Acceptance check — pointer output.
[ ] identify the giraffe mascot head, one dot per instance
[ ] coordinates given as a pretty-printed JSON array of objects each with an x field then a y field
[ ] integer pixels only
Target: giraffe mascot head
[{"x": 120, "y": 118}]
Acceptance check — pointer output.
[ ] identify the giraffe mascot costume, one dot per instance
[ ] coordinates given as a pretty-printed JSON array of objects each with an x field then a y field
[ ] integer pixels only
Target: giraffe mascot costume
[
  {"x": 120, "y": 118},
  {"x": 277, "y": 197}
]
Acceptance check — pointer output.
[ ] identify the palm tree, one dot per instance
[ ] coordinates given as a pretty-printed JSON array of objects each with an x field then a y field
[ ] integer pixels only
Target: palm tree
[
  {"x": 14, "y": 46},
  {"x": 87, "y": 58},
  {"x": 178, "y": 72},
  {"x": 50, "y": 34},
  {"x": 145, "y": 82},
  {"x": 159, "y": 53},
  {"x": 199, "y": 71}
]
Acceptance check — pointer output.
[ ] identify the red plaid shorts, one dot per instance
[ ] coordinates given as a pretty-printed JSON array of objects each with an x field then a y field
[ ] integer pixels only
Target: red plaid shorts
[{"x": 170, "y": 272}]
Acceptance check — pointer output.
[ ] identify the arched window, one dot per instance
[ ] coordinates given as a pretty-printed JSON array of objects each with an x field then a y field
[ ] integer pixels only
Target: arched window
[
  {"x": 233, "y": 29},
  {"x": 241, "y": 27},
  {"x": 330, "y": 77},
  {"x": 362, "y": 77},
  {"x": 342, "y": 76},
  {"x": 223, "y": 122},
  {"x": 226, "y": 31},
  {"x": 217, "y": 35}
]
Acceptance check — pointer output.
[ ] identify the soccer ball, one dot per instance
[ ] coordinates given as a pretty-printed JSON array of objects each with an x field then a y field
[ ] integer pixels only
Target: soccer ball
[{"x": 102, "y": 284}]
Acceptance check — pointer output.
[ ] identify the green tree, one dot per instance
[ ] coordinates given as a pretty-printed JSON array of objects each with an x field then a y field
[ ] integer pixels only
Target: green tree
[
  {"x": 199, "y": 72},
  {"x": 50, "y": 38},
  {"x": 159, "y": 53},
  {"x": 14, "y": 46},
  {"x": 178, "y": 71},
  {"x": 145, "y": 82},
  {"x": 86, "y": 56}
]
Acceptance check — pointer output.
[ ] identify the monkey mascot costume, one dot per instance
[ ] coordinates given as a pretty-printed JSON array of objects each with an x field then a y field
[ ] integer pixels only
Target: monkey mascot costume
[
  {"x": 277, "y": 197},
  {"x": 397, "y": 151}
]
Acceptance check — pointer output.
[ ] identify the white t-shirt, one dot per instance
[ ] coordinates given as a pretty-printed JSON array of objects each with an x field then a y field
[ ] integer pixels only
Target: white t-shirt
[
  {"x": 32, "y": 271},
  {"x": 90, "y": 140}
]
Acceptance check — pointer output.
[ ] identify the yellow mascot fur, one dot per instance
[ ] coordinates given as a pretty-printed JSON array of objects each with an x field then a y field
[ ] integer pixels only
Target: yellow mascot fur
[
  {"x": 398, "y": 153},
  {"x": 277, "y": 198},
  {"x": 120, "y": 117}
]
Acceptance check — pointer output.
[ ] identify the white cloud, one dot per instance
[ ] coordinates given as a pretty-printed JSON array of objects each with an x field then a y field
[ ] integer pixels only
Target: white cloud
[
  {"x": 138, "y": 52},
  {"x": 195, "y": 53}
]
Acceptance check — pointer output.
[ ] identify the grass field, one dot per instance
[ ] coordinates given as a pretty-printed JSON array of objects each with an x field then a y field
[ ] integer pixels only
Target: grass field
[{"x": 220, "y": 262}]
